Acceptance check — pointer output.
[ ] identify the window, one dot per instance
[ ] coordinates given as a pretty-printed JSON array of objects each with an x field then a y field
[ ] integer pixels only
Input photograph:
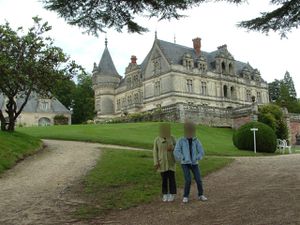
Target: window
[
  {"x": 232, "y": 93},
  {"x": 129, "y": 100},
  {"x": 157, "y": 88},
  {"x": 189, "y": 84},
  {"x": 202, "y": 67},
  {"x": 223, "y": 67},
  {"x": 44, "y": 105},
  {"x": 118, "y": 104},
  {"x": 225, "y": 91},
  {"x": 136, "y": 98},
  {"x": 203, "y": 88},
  {"x": 248, "y": 95},
  {"x": 123, "y": 102},
  {"x": 259, "y": 100},
  {"x": 156, "y": 67},
  {"x": 231, "y": 68}
]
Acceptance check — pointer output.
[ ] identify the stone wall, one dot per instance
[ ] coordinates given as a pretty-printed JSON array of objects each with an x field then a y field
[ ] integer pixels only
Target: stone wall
[{"x": 294, "y": 126}]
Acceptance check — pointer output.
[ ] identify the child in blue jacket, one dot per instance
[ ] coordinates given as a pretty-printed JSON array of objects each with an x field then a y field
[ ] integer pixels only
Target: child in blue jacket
[{"x": 189, "y": 151}]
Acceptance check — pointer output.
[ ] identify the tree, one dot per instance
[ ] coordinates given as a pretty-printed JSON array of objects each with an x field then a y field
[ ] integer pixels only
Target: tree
[
  {"x": 29, "y": 63},
  {"x": 64, "y": 92},
  {"x": 289, "y": 85},
  {"x": 95, "y": 16},
  {"x": 283, "y": 93},
  {"x": 273, "y": 116},
  {"x": 83, "y": 105},
  {"x": 274, "y": 90}
]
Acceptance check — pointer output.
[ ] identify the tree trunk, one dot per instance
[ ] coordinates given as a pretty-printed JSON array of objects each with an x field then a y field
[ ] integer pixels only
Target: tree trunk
[
  {"x": 11, "y": 125},
  {"x": 3, "y": 122}
]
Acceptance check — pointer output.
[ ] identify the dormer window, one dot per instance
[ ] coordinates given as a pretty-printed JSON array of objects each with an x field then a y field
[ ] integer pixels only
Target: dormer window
[
  {"x": 156, "y": 67},
  {"x": 188, "y": 61},
  {"x": 223, "y": 66}
]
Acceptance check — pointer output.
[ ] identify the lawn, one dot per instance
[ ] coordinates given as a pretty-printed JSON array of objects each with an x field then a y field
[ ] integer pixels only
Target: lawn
[
  {"x": 15, "y": 146},
  {"x": 216, "y": 141},
  {"x": 122, "y": 179}
]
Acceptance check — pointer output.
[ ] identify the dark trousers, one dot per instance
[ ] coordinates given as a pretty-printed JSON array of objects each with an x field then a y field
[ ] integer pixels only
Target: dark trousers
[
  {"x": 168, "y": 182},
  {"x": 187, "y": 168}
]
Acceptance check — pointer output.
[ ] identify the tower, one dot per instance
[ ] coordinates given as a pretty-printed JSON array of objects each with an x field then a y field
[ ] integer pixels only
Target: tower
[{"x": 105, "y": 81}]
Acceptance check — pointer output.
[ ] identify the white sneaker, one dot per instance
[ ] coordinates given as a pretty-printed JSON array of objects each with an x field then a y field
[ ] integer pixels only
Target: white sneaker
[
  {"x": 171, "y": 198},
  {"x": 185, "y": 200},
  {"x": 165, "y": 198},
  {"x": 202, "y": 198}
]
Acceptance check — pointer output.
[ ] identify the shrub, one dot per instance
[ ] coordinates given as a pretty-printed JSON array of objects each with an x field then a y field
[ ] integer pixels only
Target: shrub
[
  {"x": 265, "y": 138},
  {"x": 272, "y": 116},
  {"x": 61, "y": 120}
]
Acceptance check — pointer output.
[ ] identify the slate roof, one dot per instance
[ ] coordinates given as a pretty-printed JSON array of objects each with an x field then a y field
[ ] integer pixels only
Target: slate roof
[
  {"x": 106, "y": 65},
  {"x": 32, "y": 105},
  {"x": 174, "y": 53}
]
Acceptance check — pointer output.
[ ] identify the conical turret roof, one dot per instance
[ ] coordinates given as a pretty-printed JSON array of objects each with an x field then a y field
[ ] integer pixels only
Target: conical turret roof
[{"x": 106, "y": 65}]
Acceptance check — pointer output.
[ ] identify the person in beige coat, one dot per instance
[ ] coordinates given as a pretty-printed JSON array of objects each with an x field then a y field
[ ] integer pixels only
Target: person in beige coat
[{"x": 164, "y": 161}]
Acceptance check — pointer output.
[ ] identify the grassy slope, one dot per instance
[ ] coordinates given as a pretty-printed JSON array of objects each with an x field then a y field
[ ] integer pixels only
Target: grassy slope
[
  {"x": 15, "y": 146},
  {"x": 123, "y": 179},
  {"x": 216, "y": 141}
]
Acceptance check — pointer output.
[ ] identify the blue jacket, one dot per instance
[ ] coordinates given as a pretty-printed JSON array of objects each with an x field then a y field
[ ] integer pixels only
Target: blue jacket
[{"x": 182, "y": 151}]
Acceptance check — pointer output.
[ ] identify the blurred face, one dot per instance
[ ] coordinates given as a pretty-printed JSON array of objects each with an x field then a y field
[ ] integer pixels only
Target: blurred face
[
  {"x": 189, "y": 130},
  {"x": 165, "y": 130}
]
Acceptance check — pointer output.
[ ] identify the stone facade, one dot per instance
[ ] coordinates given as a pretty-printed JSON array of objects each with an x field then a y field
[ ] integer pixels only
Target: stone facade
[
  {"x": 205, "y": 86},
  {"x": 38, "y": 111}
]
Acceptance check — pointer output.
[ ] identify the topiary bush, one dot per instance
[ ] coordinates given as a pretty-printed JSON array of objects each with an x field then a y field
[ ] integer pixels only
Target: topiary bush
[{"x": 265, "y": 138}]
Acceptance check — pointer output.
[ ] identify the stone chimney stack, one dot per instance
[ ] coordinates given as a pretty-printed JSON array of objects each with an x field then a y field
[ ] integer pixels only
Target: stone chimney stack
[
  {"x": 197, "y": 45},
  {"x": 133, "y": 59}
]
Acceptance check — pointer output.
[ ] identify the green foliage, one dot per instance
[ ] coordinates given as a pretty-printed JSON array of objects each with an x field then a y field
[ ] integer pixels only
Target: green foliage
[
  {"x": 122, "y": 179},
  {"x": 216, "y": 141},
  {"x": 83, "y": 100},
  {"x": 29, "y": 63},
  {"x": 64, "y": 91},
  {"x": 15, "y": 146},
  {"x": 282, "y": 19},
  {"x": 61, "y": 120},
  {"x": 283, "y": 93},
  {"x": 272, "y": 116},
  {"x": 95, "y": 16},
  {"x": 265, "y": 138}
]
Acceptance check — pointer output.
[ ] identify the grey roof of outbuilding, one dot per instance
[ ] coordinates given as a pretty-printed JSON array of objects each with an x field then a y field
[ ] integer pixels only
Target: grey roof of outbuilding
[
  {"x": 174, "y": 53},
  {"x": 106, "y": 65},
  {"x": 32, "y": 105}
]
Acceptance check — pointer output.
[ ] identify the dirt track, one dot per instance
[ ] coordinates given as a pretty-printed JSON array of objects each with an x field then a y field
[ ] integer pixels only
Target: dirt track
[
  {"x": 31, "y": 193},
  {"x": 260, "y": 190},
  {"x": 251, "y": 191}
]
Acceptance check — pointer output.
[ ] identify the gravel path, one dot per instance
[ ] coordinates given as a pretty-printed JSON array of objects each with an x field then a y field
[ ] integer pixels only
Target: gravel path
[
  {"x": 256, "y": 191},
  {"x": 31, "y": 192}
]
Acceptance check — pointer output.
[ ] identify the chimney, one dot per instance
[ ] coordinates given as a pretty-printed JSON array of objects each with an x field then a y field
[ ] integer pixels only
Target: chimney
[
  {"x": 133, "y": 59},
  {"x": 197, "y": 45}
]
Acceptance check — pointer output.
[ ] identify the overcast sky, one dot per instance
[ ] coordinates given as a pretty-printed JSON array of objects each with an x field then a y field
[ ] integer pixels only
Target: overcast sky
[{"x": 215, "y": 23}]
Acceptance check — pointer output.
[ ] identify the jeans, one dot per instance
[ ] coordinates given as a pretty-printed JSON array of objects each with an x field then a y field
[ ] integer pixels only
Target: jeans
[
  {"x": 168, "y": 182},
  {"x": 188, "y": 180}
]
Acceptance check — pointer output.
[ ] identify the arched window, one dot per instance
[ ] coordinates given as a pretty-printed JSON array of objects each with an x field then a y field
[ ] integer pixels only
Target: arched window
[
  {"x": 232, "y": 92},
  {"x": 223, "y": 67},
  {"x": 225, "y": 91}
]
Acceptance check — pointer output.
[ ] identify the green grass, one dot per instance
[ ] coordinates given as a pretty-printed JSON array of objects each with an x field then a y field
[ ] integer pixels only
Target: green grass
[
  {"x": 216, "y": 141},
  {"x": 15, "y": 146},
  {"x": 122, "y": 179}
]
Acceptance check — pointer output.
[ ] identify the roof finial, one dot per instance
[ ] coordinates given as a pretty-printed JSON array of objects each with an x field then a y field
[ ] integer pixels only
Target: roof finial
[
  {"x": 155, "y": 34},
  {"x": 174, "y": 38},
  {"x": 105, "y": 41}
]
